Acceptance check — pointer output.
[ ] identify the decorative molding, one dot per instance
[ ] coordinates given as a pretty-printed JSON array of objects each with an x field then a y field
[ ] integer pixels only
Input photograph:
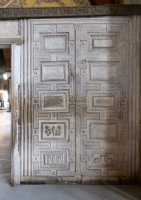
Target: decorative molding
[
  {"x": 11, "y": 40},
  {"x": 15, "y": 115},
  {"x": 98, "y": 141},
  {"x": 106, "y": 10}
]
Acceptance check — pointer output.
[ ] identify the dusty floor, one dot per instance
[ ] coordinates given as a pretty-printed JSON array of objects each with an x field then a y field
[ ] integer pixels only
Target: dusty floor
[
  {"x": 53, "y": 192},
  {"x": 5, "y": 142}
]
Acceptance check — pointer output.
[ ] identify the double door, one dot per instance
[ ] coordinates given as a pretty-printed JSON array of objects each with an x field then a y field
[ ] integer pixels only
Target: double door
[{"x": 77, "y": 100}]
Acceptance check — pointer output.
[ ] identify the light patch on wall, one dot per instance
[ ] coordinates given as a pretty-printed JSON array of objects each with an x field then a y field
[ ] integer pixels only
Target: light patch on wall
[{"x": 42, "y": 3}]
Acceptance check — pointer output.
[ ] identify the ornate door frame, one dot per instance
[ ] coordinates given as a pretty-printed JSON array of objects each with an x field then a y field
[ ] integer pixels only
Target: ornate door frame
[
  {"x": 133, "y": 63},
  {"x": 14, "y": 43},
  {"x": 15, "y": 115}
]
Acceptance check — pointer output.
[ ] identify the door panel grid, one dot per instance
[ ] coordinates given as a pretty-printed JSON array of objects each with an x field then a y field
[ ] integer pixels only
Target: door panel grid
[{"x": 79, "y": 100}]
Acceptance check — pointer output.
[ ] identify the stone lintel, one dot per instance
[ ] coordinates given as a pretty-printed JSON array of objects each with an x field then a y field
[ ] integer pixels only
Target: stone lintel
[{"x": 106, "y": 10}]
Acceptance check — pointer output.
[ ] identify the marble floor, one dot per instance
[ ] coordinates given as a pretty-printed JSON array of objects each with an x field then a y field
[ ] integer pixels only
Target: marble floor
[
  {"x": 53, "y": 192},
  {"x": 5, "y": 144}
]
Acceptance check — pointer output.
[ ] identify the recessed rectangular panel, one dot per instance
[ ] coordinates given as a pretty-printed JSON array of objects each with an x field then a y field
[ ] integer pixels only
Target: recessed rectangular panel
[
  {"x": 103, "y": 73},
  {"x": 103, "y": 101},
  {"x": 101, "y": 159},
  {"x": 54, "y": 42},
  {"x": 54, "y": 101},
  {"x": 53, "y": 130},
  {"x": 102, "y": 43},
  {"x": 53, "y": 73},
  {"x": 49, "y": 159},
  {"x": 103, "y": 131},
  {"x": 53, "y": 159}
]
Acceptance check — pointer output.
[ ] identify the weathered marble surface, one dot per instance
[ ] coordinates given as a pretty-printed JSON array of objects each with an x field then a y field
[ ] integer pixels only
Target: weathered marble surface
[
  {"x": 9, "y": 29},
  {"x": 90, "y": 98},
  {"x": 93, "y": 132}
]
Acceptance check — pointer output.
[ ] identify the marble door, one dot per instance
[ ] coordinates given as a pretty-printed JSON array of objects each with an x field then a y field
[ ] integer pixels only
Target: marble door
[
  {"x": 76, "y": 124},
  {"x": 104, "y": 100},
  {"x": 53, "y": 99}
]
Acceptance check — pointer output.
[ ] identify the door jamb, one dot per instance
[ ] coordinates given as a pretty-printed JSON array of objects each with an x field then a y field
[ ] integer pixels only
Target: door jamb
[{"x": 14, "y": 43}]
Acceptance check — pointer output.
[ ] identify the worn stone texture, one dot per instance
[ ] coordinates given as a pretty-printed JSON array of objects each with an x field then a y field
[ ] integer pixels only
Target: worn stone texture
[
  {"x": 75, "y": 101},
  {"x": 9, "y": 29},
  {"x": 78, "y": 111},
  {"x": 88, "y": 11}
]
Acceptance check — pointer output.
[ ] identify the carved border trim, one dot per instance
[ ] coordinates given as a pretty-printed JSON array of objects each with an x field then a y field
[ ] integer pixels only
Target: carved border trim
[
  {"x": 11, "y": 40},
  {"x": 106, "y": 10}
]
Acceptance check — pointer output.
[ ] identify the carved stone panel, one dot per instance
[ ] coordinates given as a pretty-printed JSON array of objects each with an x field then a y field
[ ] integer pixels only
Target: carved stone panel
[
  {"x": 53, "y": 130},
  {"x": 103, "y": 115},
  {"x": 78, "y": 89},
  {"x": 53, "y": 101},
  {"x": 53, "y": 43},
  {"x": 52, "y": 91}
]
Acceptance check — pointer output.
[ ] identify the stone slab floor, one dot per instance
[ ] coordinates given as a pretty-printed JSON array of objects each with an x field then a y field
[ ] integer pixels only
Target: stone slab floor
[{"x": 53, "y": 192}]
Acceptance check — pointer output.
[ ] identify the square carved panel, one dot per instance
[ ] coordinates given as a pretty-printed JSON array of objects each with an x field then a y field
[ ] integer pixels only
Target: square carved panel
[
  {"x": 53, "y": 130},
  {"x": 54, "y": 43},
  {"x": 53, "y": 101},
  {"x": 102, "y": 130},
  {"x": 103, "y": 101},
  {"x": 53, "y": 159},
  {"x": 103, "y": 71},
  {"x": 56, "y": 72},
  {"x": 102, "y": 159},
  {"x": 103, "y": 42}
]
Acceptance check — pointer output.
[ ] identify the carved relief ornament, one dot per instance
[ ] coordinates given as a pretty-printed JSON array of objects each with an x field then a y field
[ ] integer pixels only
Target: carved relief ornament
[{"x": 106, "y": 10}]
